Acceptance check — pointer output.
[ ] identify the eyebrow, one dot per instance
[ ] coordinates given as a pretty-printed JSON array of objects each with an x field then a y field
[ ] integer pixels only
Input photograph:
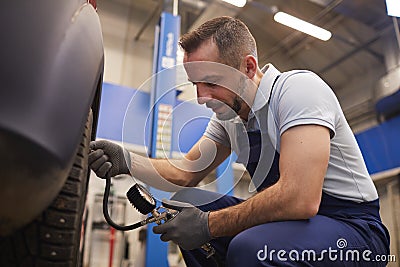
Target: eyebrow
[{"x": 208, "y": 78}]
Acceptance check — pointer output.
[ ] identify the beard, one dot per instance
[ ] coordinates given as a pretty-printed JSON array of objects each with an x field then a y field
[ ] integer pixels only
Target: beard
[{"x": 232, "y": 111}]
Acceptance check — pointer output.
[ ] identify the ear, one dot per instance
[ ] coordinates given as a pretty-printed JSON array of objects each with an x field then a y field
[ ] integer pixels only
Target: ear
[{"x": 251, "y": 65}]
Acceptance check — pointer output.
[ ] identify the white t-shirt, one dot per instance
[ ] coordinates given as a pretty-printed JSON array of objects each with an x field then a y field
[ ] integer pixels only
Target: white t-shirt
[{"x": 299, "y": 97}]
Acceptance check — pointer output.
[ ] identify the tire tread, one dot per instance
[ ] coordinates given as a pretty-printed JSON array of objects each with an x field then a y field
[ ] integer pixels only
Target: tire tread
[{"x": 53, "y": 238}]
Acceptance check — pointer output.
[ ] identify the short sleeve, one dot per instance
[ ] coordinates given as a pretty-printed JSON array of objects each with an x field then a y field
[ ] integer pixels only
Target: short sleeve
[
  {"x": 306, "y": 99},
  {"x": 216, "y": 132}
]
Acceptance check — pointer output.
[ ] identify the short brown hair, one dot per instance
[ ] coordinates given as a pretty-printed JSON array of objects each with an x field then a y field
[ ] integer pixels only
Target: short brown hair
[{"x": 231, "y": 36}]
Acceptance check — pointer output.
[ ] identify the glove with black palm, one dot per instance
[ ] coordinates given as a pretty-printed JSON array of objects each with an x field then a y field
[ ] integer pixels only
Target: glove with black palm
[
  {"x": 108, "y": 159},
  {"x": 189, "y": 229}
]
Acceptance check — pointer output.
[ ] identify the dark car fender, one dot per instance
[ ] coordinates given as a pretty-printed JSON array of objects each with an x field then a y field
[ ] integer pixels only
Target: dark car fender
[{"x": 50, "y": 71}]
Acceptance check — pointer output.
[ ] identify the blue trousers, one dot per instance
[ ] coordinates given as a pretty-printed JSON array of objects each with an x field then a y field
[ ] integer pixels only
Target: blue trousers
[{"x": 343, "y": 233}]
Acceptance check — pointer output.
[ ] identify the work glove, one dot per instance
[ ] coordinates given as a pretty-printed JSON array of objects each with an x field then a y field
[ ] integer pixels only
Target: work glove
[
  {"x": 107, "y": 159},
  {"x": 188, "y": 229}
]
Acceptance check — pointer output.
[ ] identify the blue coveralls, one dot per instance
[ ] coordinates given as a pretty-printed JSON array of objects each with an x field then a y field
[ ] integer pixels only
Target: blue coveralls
[{"x": 340, "y": 225}]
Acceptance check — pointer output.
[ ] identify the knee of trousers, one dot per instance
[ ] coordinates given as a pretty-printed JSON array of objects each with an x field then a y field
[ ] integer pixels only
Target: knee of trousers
[{"x": 242, "y": 251}]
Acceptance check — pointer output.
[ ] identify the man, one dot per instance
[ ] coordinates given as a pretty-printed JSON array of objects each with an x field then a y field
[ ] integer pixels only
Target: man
[{"x": 314, "y": 192}]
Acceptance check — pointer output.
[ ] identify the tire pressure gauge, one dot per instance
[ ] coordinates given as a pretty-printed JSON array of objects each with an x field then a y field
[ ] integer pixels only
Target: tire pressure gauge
[{"x": 141, "y": 199}]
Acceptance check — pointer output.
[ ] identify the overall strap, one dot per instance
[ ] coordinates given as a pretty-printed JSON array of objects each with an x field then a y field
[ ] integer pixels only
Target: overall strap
[{"x": 272, "y": 88}]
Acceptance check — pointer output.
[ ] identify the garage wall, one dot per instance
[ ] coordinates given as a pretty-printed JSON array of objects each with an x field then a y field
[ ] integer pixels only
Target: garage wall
[
  {"x": 357, "y": 100},
  {"x": 127, "y": 62}
]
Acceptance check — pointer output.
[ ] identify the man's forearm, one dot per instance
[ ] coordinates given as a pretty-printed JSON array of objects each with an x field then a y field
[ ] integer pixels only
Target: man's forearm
[
  {"x": 166, "y": 174},
  {"x": 159, "y": 173},
  {"x": 275, "y": 203}
]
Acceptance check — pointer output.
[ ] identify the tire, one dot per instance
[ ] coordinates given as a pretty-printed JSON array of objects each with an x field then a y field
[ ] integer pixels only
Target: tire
[{"x": 53, "y": 239}]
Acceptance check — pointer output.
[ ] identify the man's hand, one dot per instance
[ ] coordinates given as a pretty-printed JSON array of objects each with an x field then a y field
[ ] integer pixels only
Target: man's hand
[
  {"x": 107, "y": 159},
  {"x": 188, "y": 229}
]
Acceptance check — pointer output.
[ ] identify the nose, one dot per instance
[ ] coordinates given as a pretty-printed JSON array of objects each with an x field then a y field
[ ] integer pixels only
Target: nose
[{"x": 203, "y": 94}]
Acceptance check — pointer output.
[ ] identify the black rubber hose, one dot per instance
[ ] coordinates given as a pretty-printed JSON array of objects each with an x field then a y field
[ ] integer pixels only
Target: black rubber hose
[{"x": 107, "y": 215}]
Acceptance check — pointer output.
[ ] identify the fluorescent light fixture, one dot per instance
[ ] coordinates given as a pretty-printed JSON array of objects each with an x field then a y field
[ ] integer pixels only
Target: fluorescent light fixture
[
  {"x": 238, "y": 3},
  {"x": 303, "y": 26},
  {"x": 393, "y": 8}
]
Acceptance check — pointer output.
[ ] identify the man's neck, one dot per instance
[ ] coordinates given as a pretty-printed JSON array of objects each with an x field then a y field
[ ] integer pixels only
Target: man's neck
[{"x": 252, "y": 89}]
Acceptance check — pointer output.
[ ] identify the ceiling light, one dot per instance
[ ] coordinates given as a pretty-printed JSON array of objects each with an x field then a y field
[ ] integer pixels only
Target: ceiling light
[
  {"x": 238, "y": 3},
  {"x": 303, "y": 26},
  {"x": 393, "y": 8}
]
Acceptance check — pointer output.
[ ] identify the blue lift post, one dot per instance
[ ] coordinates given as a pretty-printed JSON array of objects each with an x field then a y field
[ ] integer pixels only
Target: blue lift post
[
  {"x": 163, "y": 98},
  {"x": 225, "y": 176}
]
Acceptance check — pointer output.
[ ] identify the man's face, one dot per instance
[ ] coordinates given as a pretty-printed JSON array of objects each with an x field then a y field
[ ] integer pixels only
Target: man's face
[{"x": 219, "y": 87}]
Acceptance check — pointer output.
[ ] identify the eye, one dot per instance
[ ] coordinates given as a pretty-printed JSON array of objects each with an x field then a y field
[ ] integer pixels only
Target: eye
[{"x": 212, "y": 85}]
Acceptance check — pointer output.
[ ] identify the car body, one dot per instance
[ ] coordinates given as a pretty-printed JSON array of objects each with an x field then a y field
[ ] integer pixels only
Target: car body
[{"x": 51, "y": 73}]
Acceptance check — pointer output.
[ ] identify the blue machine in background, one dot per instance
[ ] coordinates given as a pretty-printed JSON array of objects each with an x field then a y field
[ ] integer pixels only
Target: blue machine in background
[{"x": 380, "y": 146}]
